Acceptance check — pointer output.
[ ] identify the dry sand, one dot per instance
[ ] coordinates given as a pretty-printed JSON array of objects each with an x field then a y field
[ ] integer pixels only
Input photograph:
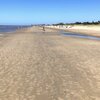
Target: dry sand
[{"x": 36, "y": 65}]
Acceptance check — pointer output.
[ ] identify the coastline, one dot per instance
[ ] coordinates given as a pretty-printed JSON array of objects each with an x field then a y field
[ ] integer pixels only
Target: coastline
[{"x": 81, "y": 29}]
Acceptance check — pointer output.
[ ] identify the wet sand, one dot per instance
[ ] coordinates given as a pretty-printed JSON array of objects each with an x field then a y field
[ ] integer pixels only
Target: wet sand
[
  {"x": 37, "y": 65},
  {"x": 84, "y": 31},
  {"x": 92, "y": 30}
]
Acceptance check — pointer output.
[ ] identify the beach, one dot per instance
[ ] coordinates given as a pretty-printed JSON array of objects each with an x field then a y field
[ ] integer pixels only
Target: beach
[
  {"x": 92, "y": 30},
  {"x": 38, "y": 65}
]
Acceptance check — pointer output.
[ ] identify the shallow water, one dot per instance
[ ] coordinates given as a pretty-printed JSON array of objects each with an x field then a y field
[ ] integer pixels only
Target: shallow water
[
  {"x": 10, "y": 28},
  {"x": 69, "y": 34}
]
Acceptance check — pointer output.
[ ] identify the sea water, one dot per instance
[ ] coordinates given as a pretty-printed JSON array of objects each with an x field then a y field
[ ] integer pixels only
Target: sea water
[{"x": 10, "y": 28}]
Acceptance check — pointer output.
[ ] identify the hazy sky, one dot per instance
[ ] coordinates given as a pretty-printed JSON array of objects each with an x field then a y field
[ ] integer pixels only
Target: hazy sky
[{"x": 48, "y": 11}]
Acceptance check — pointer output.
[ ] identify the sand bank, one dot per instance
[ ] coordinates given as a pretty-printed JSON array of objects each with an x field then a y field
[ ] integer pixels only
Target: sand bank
[{"x": 93, "y": 30}]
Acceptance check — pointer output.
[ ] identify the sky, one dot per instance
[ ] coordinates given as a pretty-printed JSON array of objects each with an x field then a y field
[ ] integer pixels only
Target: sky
[{"x": 48, "y": 11}]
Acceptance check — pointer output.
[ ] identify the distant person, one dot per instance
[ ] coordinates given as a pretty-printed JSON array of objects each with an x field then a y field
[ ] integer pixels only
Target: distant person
[{"x": 43, "y": 28}]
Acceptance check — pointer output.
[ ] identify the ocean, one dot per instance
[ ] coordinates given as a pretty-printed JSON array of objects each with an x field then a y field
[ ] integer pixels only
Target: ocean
[{"x": 10, "y": 28}]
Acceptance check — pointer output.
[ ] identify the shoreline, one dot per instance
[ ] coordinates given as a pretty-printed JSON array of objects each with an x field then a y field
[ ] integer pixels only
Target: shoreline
[{"x": 85, "y": 30}]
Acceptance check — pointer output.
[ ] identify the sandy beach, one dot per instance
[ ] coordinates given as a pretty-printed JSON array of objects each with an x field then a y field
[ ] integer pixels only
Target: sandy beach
[
  {"x": 92, "y": 30},
  {"x": 37, "y": 65}
]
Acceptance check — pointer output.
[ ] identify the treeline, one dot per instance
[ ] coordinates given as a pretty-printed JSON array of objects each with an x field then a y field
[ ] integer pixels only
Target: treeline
[
  {"x": 80, "y": 23},
  {"x": 88, "y": 23}
]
